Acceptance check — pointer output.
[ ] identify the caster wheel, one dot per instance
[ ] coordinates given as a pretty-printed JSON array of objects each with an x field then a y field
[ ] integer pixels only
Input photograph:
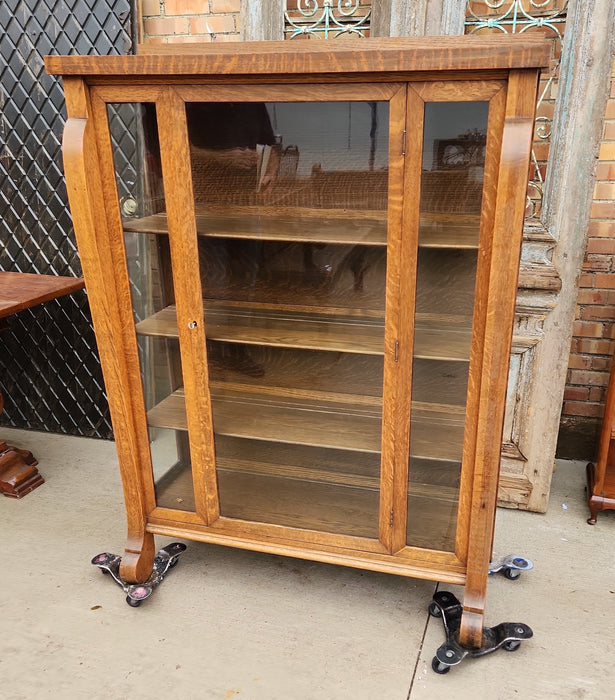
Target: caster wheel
[
  {"x": 512, "y": 574},
  {"x": 132, "y": 603},
  {"x": 512, "y": 645},
  {"x": 434, "y": 610},
  {"x": 439, "y": 667}
]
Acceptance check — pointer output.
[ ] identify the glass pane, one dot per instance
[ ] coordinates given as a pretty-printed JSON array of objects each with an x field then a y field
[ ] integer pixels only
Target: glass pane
[
  {"x": 134, "y": 140},
  {"x": 291, "y": 215},
  {"x": 451, "y": 191}
]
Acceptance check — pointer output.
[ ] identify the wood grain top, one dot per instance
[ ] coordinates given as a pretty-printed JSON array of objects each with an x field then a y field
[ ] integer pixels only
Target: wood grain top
[
  {"x": 21, "y": 290},
  {"x": 374, "y": 55}
]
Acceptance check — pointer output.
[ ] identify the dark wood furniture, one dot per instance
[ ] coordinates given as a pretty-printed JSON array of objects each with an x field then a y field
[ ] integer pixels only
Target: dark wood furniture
[
  {"x": 19, "y": 291},
  {"x": 601, "y": 475},
  {"x": 324, "y": 358}
]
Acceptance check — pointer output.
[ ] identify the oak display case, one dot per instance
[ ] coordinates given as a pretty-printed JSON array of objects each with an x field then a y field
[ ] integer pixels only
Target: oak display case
[{"x": 304, "y": 307}]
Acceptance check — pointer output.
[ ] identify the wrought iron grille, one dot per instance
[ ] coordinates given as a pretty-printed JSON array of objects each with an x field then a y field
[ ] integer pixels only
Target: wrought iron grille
[
  {"x": 49, "y": 369},
  {"x": 547, "y": 17},
  {"x": 327, "y": 19}
]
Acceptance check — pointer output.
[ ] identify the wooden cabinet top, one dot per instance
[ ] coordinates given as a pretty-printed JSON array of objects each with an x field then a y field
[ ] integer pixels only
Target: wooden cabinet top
[{"x": 388, "y": 56}]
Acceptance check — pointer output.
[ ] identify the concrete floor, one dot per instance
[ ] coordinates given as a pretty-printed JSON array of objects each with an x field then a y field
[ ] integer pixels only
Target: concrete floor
[{"x": 234, "y": 624}]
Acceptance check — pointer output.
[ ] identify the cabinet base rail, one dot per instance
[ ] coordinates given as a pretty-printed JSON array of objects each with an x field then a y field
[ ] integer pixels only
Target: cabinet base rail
[
  {"x": 507, "y": 635},
  {"x": 136, "y": 593}
]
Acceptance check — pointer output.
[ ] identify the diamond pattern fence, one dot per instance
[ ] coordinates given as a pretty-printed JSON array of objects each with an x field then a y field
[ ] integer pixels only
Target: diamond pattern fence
[{"x": 49, "y": 369}]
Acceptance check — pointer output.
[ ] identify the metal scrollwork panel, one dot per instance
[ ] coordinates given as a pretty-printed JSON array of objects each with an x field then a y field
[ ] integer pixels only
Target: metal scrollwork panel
[
  {"x": 326, "y": 19},
  {"x": 547, "y": 17}
]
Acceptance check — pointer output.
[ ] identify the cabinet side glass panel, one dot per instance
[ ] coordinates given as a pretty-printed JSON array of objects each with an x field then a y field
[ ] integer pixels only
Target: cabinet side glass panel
[
  {"x": 452, "y": 174},
  {"x": 136, "y": 156},
  {"x": 291, "y": 205}
]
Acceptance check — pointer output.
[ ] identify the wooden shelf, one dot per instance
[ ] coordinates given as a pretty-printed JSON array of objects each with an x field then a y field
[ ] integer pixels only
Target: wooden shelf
[
  {"x": 300, "y": 226},
  {"x": 437, "y": 337},
  {"x": 437, "y": 430},
  {"x": 457, "y": 231},
  {"x": 306, "y": 225},
  {"x": 278, "y": 329}
]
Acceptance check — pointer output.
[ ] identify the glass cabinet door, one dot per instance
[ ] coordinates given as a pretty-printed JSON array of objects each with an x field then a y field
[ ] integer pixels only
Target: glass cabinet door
[
  {"x": 452, "y": 177},
  {"x": 291, "y": 207}
]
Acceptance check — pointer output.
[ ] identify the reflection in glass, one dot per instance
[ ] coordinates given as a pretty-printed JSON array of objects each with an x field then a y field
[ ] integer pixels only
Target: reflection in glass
[
  {"x": 291, "y": 219},
  {"x": 451, "y": 192}
]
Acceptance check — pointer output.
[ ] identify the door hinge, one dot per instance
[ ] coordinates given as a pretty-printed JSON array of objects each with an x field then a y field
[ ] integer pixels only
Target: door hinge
[
  {"x": 397, "y": 351},
  {"x": 403, "y": 142},
  {"x": 391, "y": 518}
]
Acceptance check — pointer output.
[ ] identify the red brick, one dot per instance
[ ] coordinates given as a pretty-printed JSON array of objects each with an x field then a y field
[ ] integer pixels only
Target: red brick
[
  {"x": 604, "y": 190},
  {"x": 586, "y": 280},
  {"x": 220, "y": 6},
  {"x": 605, "y": 280},
  {"x": 165, "y": 26},
  {"x": 188, "y": 39},
  {"x": 592, "y": 296},
  {"x": 149, "y": 8},
  {"x": 600, "y": 364},
  {"x": 219, "y": 24},
  {"x": 607, "y": 151},
  {"x": 186, "y": 7},
  {"x": 579, "y": 362},
  {"x": 597, "y": 313},
  {"x": 541, "y": 151},
  {"x": 573, "y": 408},
  {"x": 602, "y": 210},
  {"x": 576, "y": 393},
  {"x": 601, "y": 229},
  {"x": 585, "y": 329},
  {"x": 606, "y": 171},
  {"x": 231, "y": 37},
  {"x": 597, "y": 263},
  {"x": 601, "y": 246},
  {"x": 597, "y": 394},
  {"x": 595, "y": 347},
  {"x": 588, "y": 378}
]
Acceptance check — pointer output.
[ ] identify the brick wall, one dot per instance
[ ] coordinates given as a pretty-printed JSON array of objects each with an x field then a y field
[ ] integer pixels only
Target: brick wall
[
  {"x": 168, "y": 21},
  {"x": 593, "y": 340}
]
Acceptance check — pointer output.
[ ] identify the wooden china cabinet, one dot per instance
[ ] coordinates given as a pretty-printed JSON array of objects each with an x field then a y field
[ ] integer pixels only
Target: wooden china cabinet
[{"x": 304, "y": 307}]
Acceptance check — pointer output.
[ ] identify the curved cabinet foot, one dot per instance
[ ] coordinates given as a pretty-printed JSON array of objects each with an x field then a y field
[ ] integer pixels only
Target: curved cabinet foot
[
  {"x": 138, "y": 559},
  {"x": 136, "y": 593},
  {"x": 506, "y": 635}
]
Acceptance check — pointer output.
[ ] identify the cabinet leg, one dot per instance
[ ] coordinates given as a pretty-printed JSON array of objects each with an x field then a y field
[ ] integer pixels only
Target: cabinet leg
[
  {"x": 138, "y": 560},
  {"x": 471, "y": 629},
  {"x": 464, "y": 629}
]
